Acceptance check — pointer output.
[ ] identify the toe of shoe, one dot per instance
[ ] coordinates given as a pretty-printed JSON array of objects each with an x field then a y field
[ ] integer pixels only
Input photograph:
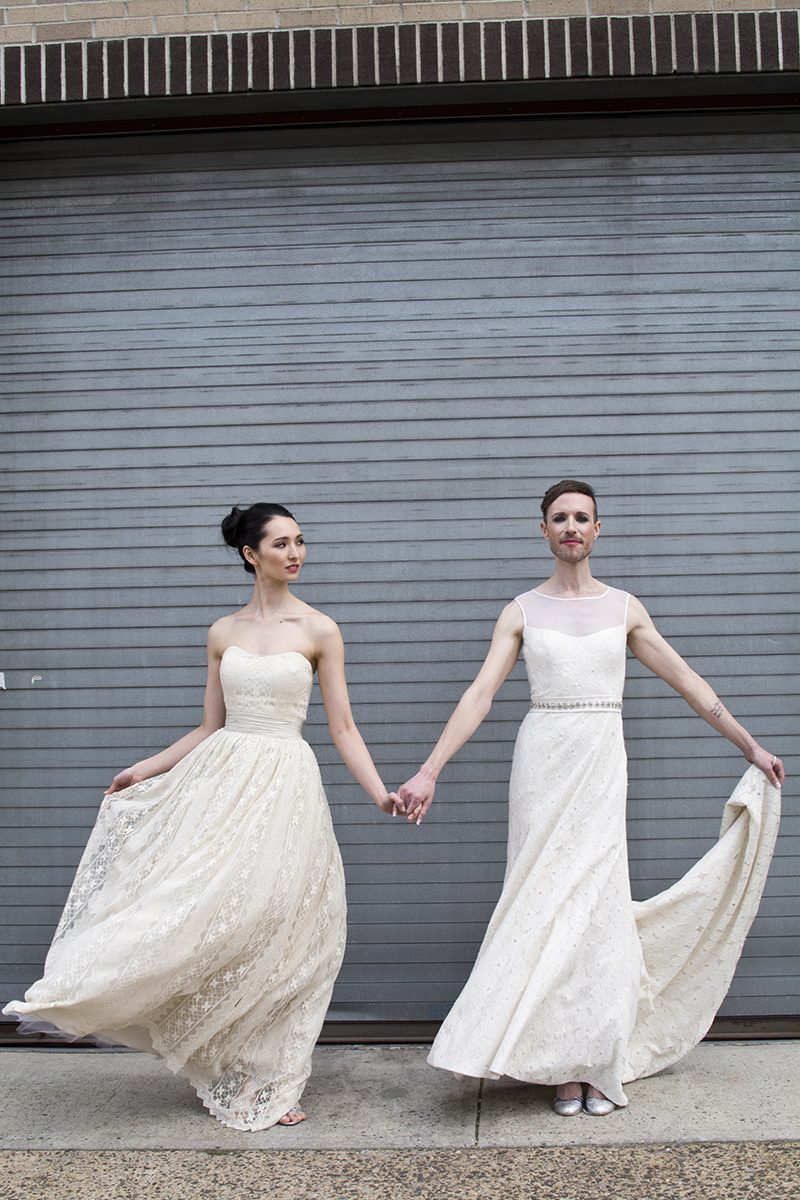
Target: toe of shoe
[
  {"x": 567, "y": 1108},
  {"x": 597, "y": 1107}
]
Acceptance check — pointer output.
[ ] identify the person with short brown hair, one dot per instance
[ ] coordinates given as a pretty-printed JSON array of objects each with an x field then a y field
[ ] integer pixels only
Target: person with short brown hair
[{"x": 575, "y": 985}]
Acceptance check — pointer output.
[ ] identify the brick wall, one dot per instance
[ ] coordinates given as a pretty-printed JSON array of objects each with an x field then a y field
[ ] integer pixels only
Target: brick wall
[
  {"x": 86, "y": 20},
  {"x": 667, "y": 45},
  {"x": 99, "y": 50}
]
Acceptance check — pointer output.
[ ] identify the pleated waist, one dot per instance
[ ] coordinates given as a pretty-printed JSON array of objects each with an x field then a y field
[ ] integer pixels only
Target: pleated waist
[
  {"x": 263, "y": 726},
  {"x": 601, "y": 704}
]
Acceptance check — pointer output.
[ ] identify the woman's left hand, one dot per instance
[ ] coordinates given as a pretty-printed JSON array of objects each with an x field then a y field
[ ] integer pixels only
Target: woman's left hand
[
  {"x": 125, "y": 779},
  {"x": 391, "y": 804},
  {"x": 770, "y": 764}
]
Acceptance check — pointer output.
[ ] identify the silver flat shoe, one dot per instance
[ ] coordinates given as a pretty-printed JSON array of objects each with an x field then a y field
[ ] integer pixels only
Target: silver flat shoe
[
  {"x": 568, "y": 1108},
  {"x": 598, "y": 1106}
]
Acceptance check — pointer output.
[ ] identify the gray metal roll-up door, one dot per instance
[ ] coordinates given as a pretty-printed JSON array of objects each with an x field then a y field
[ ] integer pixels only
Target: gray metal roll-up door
[{"x": 405, "y": 335}]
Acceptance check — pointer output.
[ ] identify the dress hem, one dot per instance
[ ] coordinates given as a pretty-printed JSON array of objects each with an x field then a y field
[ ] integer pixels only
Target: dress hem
[{"x": 478, "y": 1073}]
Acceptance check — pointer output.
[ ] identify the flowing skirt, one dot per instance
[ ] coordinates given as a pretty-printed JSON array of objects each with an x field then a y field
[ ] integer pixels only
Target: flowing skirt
[
  {"x": 574, "y": 980},
  {"x": 206, "y": 923}
]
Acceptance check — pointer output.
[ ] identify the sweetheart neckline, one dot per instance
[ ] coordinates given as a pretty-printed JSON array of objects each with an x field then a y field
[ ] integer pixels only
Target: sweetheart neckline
[{"x": 279, "y": 654}]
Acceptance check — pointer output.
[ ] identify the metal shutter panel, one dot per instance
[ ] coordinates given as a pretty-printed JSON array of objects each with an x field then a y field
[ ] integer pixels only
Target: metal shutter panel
[{"x": 405, "y": 335}]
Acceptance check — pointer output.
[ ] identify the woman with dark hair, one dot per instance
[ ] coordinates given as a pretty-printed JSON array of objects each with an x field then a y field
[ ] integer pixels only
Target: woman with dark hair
[{"x": 206, "y": 921}]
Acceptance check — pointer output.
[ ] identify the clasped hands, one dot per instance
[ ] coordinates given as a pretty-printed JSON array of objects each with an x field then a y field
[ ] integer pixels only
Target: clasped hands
[{"x": 413, "y": 799}]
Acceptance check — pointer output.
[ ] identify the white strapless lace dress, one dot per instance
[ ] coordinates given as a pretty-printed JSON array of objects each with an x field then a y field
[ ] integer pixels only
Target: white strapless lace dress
[
  {"x": 575, "y": 981},
  {"x": 207, "y": 918}
]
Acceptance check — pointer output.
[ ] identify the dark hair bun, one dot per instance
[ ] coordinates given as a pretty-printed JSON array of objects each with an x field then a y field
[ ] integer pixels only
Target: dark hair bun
[
  {"x": 230, "y": 526},
  {"x": 246, "y": 527}
]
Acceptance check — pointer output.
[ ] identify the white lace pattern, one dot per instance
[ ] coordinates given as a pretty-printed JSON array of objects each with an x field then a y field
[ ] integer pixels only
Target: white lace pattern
[
  {"x": 206, "y": 921},
  {"x": 575, "y": 981}
]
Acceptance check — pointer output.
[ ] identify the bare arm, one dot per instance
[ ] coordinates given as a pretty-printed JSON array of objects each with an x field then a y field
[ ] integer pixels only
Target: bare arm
[
  {"x": 470, "y": 711},
  {"x": 346, "y": 738},
  {"x": 213, "y": 719},
  {"x": 658, "y": 656}
]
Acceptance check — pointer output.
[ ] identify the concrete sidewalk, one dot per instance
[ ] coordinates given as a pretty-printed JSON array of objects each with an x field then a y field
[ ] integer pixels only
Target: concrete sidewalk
[
  {"x": 370, "y": 1097},
  {"x": 384, "y": 1124}
]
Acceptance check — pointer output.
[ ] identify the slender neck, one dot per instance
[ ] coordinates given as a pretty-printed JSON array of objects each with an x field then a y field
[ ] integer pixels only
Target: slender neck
[
  {"x": 269, "y": 597},
  {"x": 571, "y": 579}
]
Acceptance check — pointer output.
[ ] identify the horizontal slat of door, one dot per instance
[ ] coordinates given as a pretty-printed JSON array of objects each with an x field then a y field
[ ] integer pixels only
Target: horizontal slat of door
[{"x": 405, "y": 340}]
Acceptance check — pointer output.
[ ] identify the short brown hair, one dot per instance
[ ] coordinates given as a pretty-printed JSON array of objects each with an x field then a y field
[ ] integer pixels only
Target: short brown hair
[{"x": 567, "y": 485}]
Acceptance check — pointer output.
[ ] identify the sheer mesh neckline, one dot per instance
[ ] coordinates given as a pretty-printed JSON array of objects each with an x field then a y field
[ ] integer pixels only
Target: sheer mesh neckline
[
  {"x": 595, "y": 596},
  {"x": 575, "y": 616}
]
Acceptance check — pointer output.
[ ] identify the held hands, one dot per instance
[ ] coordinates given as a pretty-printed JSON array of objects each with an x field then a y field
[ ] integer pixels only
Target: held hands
[
  {"x": 391, "y": 804},
  {"x": 417, "y": 796}
]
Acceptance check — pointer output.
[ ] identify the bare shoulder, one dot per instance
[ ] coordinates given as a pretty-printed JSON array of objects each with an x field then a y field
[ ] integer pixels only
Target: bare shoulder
[
  {"x": 638, "y": 616},
  {"x": 219, "y": 634},
  {"x": 323, "y": 629},
  {"x": 511, "y": 619}
]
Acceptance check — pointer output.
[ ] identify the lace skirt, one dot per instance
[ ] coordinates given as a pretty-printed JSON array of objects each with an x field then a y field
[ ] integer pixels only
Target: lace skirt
[{"x": 206, "y": 923}]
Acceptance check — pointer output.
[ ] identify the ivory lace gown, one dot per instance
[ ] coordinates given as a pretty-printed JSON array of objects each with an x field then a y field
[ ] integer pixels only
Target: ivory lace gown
[
  {"x": 574, "y": 980},
  {"x": 207, "y": 918}
]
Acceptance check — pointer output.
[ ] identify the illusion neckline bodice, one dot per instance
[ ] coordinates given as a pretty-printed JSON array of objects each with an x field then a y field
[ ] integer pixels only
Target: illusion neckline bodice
[
  {"x": 593, "y": 596},
  {"x": 574, "y": 651}
]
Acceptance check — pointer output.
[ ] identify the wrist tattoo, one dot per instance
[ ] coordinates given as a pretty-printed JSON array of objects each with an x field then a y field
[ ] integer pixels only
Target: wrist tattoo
[{"x": 717, "y": 710}]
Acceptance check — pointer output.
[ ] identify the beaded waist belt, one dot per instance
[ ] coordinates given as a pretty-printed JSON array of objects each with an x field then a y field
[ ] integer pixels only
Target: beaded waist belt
[{"x": 576, "y": 705}]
